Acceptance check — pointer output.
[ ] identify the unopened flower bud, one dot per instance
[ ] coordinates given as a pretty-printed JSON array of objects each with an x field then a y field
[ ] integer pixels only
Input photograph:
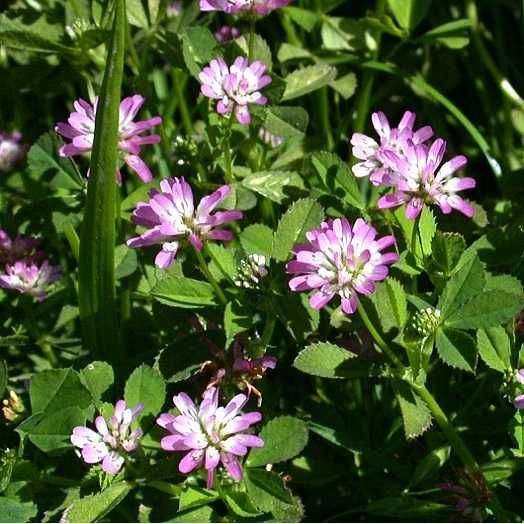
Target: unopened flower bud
[
  {"x": 251, "y": 270},
  {"x": 13, "y": 407},
  {"x": 426, "y": 321},
  {"x": 269, "y": 138}
]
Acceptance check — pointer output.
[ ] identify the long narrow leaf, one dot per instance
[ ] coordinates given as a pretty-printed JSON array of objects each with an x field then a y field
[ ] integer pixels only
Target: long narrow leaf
[{"x": 97, "y": 277}]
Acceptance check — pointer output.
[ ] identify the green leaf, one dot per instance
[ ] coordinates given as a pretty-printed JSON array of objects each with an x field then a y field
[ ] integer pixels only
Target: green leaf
[
  {"x": 183, "y": 292},
  {"x": 457, "y": 349},
  {"x": 11, "y": 510},
  {"x": 52, "y": 432},
  {"x": 95, "y": 507},
  {"x": 427, "y": 228},
  {"x": 486, "y": 310},
  {"x": 235, "y": 321},
  {"x": 275, "y": 185},
  {"x": 198, "y": 48},
  {"x": 267, "y": 491},
  {"x": 202, "y": 514},
  {"x": 430, "y": 465},
  {"x": 323, "y": 359},
  {"x": 43, "y": 159},
  {"x": 300, "y": 218},
  {"x": 37, "y": 37},
  {"x": 506, "y": 283},
  {"x": 285, "y": 121},
  {"x": 495, "y": 348},
  {"x": 516, "y": 428},
  {"x": 454, "y": 34},
  {"x": 56, "y": 389},
  {"x": 260, "y": 49},
  {"x": 97, "y": 291},
  {"x": 239, "y": 503},
  {"x": 345, "y": 85},
  {"x": 147, "y": 386},
  {"x": 464, "y": 284},
  {"x": 194, "y": 497},
  {"x": 343, "y": 34},
  {"x": 290, "y": 52},
  {"x": 136, "y": 14},
  {"x": 126, "y": 261},
  {"x": 303, "y": 17},
  {"x": 285, "y": 438},
  {"x": 409, "y": 13},
  {"x": 303, "y": 81},
  {"x": 408, "y": 508},
  {"x": 223, "y": 264},
  {"x": 257, "y": 239},
  {"x": 391, "y": 304},
  {"x": 338, "y": 178},
  {"x": 416, "y": 416},
  {"x": 447, "y": 249},
  {"x": 97, "y": 377}
]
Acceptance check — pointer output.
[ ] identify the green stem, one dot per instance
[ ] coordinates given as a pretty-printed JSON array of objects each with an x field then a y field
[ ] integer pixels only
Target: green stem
[
  {"x": 504, "y": 84},
  {"x": 447, "y": 428},
  {"x": 381, "y": 343},
  {"x": 265, "y": 338},
  {"x": 251, "y": 45},
  {"x": 211, "y": 279},
  {"x": 227, "y": 150},
  {"x": 184, "y": 108}
]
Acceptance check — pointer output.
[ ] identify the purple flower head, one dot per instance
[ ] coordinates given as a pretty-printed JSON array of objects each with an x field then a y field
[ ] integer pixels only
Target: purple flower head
[
  {"x": 518, "y": 401},
  {"x": 259, "y": 7},
  {"x": 30, "y": 277},
  {"x": 418, "y": 178},
  {"x": 235, "y": 87},
  {"x": 211, "y": 434},
  {"x": 11, "y": 150},
  {"x": 18, "y": 248},
  {"x": 340, "y": 259},
  {"x": 111, "y": 441},
  {"x": 227, "y": 33},
  {"x": 80, "y": 129},
  {"x": 372, "y": 152},
  {"x": 170, "y": 216}
]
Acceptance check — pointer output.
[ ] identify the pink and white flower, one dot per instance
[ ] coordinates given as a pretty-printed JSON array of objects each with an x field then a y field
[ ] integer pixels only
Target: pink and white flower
[
  {"x": 210, "y": 434},
  {"x": 259, "y": 7},
  {"x": 227, "y": 33},
  {"x": 418, "y": 178},
  {"x": 340, "y": 259},
  {"x": 170, "y": 216},
  {"x": 80, "y": 129},
  {"x": 371, "y": 152},
  {"x": 30, "y": 277},
  {"x": 11, "y": 150},
  {"x": 112, "y": 440},
  {"x": 18, "y": 248},
  {"x": 235, "y": 87}
]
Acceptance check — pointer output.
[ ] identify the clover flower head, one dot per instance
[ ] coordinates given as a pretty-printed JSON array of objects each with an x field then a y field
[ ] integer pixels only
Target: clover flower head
[
  {"x": 236, "y": 86},
  {"x": 80, "y": 129},
  {"x": 340, "y": 259},
  {"x": 251, "y": 270},
  {"x": 11, "y": 150},
  {"x": 418, "y": 178},
  {"x": 227, "y": 33},
  {"x": 426, "y": 321},
  {"x": 371, "y": 152},
  {"x": 18, "y": 248},
  {"x": 259, "y": 7},
  {"x": 112, "y": 440},
  {"x": 210, "y": 434},
  {"x": 170, "y": 216},
  {"x": 30, "y": 277},
  {"x": 269, "y": 138}
]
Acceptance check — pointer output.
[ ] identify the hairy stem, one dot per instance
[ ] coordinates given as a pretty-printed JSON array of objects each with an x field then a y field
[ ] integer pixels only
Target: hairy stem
[{"x": 211, "y": 279}]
